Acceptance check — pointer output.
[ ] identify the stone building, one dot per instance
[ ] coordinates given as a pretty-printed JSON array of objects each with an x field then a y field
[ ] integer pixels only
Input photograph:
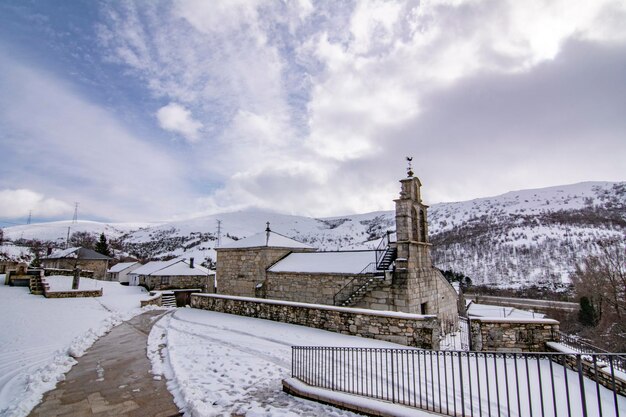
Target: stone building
[
  {"x": 120, "y": 271},
  {"x": 398, "y": 276},
  {"x": 174, "y": 274},
  {"x": 83, "y": 258}
]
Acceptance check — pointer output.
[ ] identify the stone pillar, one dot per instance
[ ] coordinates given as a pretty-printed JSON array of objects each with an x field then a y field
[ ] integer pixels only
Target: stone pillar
[{"x": 76, "y": 279}]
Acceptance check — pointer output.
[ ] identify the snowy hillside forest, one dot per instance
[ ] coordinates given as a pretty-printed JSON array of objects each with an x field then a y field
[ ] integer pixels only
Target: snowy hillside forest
[{"x": 521, "y": 238}]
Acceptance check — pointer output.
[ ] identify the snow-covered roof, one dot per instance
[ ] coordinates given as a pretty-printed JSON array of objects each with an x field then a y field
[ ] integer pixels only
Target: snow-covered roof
[
  {"x": 152, "y": 266},
  {"x": 121, "y": 266},
  {"x": 271, "y": 239},
  {"x": 181, "y": 268},
  {"x": 76, "y": 253},
  {"x": 346, "y": 262},
  {"x": 486, "y": 310}
]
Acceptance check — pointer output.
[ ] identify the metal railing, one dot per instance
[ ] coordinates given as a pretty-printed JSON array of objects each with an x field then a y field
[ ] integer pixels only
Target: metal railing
[
  {"x": 581, "y": 346},
  {"x": 458, "y": 383},
  {"x": 361, "y": 281},
  {"x": 383, "y": 246}
]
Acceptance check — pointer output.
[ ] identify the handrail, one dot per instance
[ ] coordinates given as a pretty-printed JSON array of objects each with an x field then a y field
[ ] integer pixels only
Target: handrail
[
  {"x": 383, "y": 246},
  {"x": 365, "y": 274},
  {"x": 584, "y": 347}
]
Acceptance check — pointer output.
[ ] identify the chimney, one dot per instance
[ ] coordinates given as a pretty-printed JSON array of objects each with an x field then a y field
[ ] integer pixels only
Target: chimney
[
  {"x": 191, "y": 263},
  {"x": 267, "y": 234}
]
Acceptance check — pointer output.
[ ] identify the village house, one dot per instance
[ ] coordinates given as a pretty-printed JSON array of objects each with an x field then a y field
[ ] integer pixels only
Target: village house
[
  {"x": 173, "y": 274},
  {"x": 83, "y": 258},
  {"x": 120, "y": 271},
  {"x": 397, "y": 276}
]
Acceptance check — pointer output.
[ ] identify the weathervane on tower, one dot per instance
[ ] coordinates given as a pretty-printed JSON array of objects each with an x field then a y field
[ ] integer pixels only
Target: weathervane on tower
[{"x": 409, "y": 170}]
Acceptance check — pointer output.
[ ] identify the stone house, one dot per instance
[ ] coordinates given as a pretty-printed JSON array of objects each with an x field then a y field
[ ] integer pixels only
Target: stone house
[
  {"x": 120, "y": 271},
  {"x": 397, "y": 276},
  {"x": 174, "y": 274},
  {"x": 83, "y": 258}
]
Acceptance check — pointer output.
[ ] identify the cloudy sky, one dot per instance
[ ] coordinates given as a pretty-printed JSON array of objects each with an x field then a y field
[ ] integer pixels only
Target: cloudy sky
[{"x": 154, "y": 110}]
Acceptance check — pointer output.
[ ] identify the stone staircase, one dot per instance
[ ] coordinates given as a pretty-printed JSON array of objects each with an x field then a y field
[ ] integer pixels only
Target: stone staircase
[
  {"x": 364, "y": 287},
  {"x": 36, "y": 285},
  {"x": 168, "y": 299}
]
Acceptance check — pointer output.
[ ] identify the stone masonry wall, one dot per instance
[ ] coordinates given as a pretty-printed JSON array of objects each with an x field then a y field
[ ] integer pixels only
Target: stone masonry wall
[
  {"x": 99, "y": 267},
  {"x": 73, "y": 294},
  {"x": 406, "y": 329},
  {"x": 514, "y": 335},
  {"x": 305, "y": 287},
  {"x": 239, "y": 271},
  {"x": 176, "y": 282}
]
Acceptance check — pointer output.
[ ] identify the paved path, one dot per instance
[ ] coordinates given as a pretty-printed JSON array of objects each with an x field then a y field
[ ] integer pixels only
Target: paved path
[{"x": 112, "y": 379}]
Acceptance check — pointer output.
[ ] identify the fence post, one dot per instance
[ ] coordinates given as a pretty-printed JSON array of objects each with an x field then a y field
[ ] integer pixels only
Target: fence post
[
  {"x": 393, "y": 388},
  {"x": 581, "y": 382}
]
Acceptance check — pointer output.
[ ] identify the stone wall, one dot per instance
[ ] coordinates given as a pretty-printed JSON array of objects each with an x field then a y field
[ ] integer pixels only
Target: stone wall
[
  {"x": 241, "y": 271},
  {"x": 98, "y": 266},
  {"x": 73, "y": 294},
  {"x": 306, "y": 287},
  {"x": 406, "y": 329},
  {"x": 154, "y": 300},
  {"x": 513, "y": 335},
  {"x": 176, "y": 282},
  {"x": 602, "y": 366},
  {"x": 67, "y": 272}
]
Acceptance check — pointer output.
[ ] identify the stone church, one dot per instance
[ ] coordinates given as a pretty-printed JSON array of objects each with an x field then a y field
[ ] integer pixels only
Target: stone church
[{"x": 397, "y": 276}]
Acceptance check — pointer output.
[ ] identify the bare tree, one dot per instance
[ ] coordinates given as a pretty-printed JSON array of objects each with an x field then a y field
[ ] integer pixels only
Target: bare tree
[
  {"x": 602, "y": 280},
  {"x": 83, "y": 239}
]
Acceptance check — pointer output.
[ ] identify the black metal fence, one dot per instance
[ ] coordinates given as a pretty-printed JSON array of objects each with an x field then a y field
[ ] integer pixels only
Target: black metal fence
[
  {"x": 580, "y": 346},
  {"x": 460, "y": 383}
]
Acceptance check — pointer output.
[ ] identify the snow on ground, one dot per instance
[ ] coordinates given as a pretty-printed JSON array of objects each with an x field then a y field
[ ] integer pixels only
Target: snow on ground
[
  {"x": 40, "y": 337},
  {"x": 222, "y": 364}
]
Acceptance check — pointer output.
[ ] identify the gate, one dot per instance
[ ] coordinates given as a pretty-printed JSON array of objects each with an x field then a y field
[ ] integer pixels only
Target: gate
[{"x": 455, "y": 335}]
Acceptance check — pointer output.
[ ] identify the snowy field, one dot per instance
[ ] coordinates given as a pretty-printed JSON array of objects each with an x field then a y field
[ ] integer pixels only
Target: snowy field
[
  {"x": 40, "y": 337},
  {"x": 222, "y": 364}
]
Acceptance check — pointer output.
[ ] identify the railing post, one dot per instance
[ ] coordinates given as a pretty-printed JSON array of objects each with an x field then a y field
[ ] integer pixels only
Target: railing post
[
  {"x": 581, "y": 381},
  {"x": 393, "y": 388}
]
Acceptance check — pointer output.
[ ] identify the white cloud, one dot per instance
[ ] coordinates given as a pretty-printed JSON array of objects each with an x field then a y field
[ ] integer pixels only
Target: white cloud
[
  {"x": 77, "y": 151},
  {"x": 176, "y": 118},
  {"x": 293, "y": 97},
  {"x": 20, "y": 202}
]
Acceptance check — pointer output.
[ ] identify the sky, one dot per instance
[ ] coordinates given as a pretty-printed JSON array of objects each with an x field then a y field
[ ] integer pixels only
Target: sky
[{"x": 163, "y": 110}]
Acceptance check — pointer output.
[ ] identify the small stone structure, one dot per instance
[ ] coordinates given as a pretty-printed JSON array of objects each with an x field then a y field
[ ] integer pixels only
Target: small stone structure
[
  {"x": 406, "y": 329},
  {"x": 512, "y": 335},
  {"x": 175, "y": 274},
  {"x": 83, "y": 258}
]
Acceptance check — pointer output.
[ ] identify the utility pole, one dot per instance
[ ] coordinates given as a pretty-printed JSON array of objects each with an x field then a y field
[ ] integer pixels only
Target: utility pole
[
  {"x": 67, "y": 241},
  {"x": 75, "y": 219},
  {"x": 219, "y": 233}
]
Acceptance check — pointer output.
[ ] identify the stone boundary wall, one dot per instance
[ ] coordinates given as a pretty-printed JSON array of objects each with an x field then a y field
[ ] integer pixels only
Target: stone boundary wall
[
  {"x": 512, "y": 335},
  {"x": 402, "y": 328},
  {"x": 154, "y": 300},
  {"x": 67, "y": 272},
  {"x": 603, "y": 376},
  {"x": 73, "y": 294}
]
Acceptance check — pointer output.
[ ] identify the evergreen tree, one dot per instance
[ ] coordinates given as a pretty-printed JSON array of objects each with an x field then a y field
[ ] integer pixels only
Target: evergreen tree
[
  {"x": 102, "y": 246},
  {"x": 587, "y": 314}
]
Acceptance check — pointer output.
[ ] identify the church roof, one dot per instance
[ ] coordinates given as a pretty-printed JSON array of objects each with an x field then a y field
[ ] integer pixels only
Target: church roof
[
  {"x": 266, "y": 239},
  {"x": 344, "y": 262}
]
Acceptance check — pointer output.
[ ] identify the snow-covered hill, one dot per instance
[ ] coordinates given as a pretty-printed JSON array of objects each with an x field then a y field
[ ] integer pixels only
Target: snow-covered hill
[{"x": 518, "y": 238}]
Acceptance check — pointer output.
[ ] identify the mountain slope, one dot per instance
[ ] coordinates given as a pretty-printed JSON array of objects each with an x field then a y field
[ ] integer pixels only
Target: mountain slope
[{"x": 515, "y": 239}]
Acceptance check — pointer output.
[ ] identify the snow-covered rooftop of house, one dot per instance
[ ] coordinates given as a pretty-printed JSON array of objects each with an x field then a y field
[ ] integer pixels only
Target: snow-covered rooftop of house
[
  {"x": 76, "y": 253},
  {"x": 347, "y": 262},
  {"x": 271, "y": 239},
  {"x": 486, "y": 310},
  {"x": 181, "y": 268},
  {"x": 153, "y": 266},
  {"x": 121, "y": 266}
]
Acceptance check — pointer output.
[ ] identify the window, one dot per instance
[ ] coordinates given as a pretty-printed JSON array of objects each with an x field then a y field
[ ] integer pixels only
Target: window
[{"x": 424, "y": 308}]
